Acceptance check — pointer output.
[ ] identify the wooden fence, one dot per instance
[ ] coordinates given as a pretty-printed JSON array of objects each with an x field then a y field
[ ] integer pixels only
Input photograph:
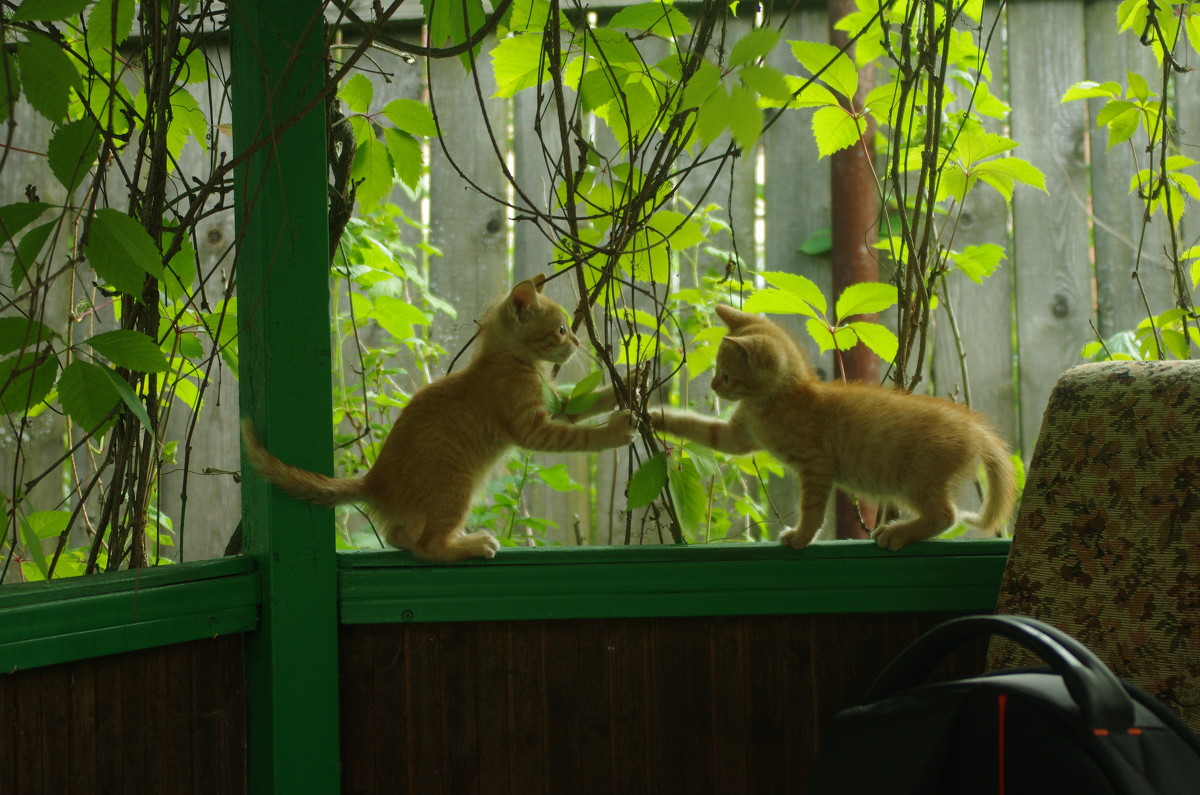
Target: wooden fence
[{"x": 1067, "y": 276}]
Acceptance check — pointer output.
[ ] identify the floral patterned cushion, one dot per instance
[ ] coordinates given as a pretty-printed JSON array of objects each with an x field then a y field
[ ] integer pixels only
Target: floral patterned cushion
[{"x": 1106, "y": 544}]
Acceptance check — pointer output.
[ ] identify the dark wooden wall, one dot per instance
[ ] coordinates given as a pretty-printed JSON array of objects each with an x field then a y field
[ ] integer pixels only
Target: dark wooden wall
[
  {"x": 694, "y": 705},
  {"x": 165, "y": 720}
]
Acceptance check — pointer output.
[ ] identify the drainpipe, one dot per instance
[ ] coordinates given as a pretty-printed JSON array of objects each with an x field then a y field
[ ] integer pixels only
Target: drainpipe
[{"x": 854, "y": 213}]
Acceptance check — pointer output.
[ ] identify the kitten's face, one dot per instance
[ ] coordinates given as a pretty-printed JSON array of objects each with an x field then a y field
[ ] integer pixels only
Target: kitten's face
[
  {"x": 539, "y": 326},
  {"x": 744, "y": 366}
]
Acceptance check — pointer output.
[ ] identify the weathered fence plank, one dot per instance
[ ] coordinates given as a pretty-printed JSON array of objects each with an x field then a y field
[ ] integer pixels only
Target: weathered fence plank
[
  {"x": 1121, "y": 272},
  {"x": 1050, "y": 251}
]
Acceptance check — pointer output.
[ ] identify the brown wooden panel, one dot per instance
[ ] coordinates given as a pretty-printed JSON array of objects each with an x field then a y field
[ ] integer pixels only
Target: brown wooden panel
[
  {"x": 608, "y": 705},
  {"x": 171, "y": 719}
]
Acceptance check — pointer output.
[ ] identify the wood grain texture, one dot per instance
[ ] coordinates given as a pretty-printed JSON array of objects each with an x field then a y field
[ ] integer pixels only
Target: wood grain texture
[
  {"x": 1051, "y": 253},
  {"x": 1117, "y": 223},
  {"x": 171, "y": 719},
  {"x": 691, "y": 705}
]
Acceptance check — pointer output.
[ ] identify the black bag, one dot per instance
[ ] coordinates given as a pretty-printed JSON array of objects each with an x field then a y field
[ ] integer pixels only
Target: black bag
[{"x": 1073, "y": 727}]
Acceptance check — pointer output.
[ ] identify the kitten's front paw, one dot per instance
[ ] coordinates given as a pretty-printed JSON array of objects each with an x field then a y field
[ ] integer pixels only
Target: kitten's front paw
[
  {"x": 795, "y": 539},
  {"x": 658, "y": 419},
  {"x": 482, "y": 544},
  {"x": 621, "y": 426}
]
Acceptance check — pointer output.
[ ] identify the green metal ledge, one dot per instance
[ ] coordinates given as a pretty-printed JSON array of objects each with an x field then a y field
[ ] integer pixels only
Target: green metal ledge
[
  {"x": 66, "y": 620},
  {"x": 661, "y": 581}
]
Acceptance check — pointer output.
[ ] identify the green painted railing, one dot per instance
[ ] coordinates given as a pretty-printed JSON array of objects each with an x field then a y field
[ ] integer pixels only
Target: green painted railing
[
  {"x": 46, "y": 623},
  {"x": 67, "y": 620},
  {"x": 727, "y": 579}
]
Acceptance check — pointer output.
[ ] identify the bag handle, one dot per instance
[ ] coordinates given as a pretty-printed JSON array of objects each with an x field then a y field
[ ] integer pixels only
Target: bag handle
[{"x": 1099, "y": 694}]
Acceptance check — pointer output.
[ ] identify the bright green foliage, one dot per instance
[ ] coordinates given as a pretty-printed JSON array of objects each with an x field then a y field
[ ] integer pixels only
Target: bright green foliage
[
  {"x": 795, "y": 294},
  {"x": 384, "y": 153},
  {"x": 1163, "y": 175}
]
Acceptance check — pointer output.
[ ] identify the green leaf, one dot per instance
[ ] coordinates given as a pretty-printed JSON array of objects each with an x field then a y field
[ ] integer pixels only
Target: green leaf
[
  {"x": 713, "y": 117},
  {"x": 87, "y": 394},
  {"x": 517, "y": 64},
  {"x": 408, "y": 159},
  {"x": 978, "y": 262},
  {"x": 879, "y": 339},
  {"x": 180, "y": 273},
  {"x": 865, "y": 298},
  {"x": 766, "y": 81},
  {"x": 453, "y": 23},
  {"x": 15, "y": 217},
  {"x": 47, "y": 76},
  {"x": 372, "y": 170},
  {"x": 798, "y": 285},
  {"x": 689, "y": 494},
  {"x": 130, "y": 349},
  {"x": 557, "y": 478},
  {"x": 19, "y": 333},
  {"x": 1015, "y": 168},
  {"x": 34, "y": 545},
  {"x": 835, "y": 129},
  {"x": 584, "y": 395},
  {"x": 72, "y": 152},
  {"x": 754, "y": 45},
  {"x": 819, "y": 242},
  {"x": 1138, "y": 87},
  {"x": 10, "y": 85},
  {"x": 658, "y": 18},
  {"x": 357, "y": 93},
  {"x": 129, "y": 397},
  {"x": 705, "y": 80},
  {"x": 47, "y": 10},
  {"x": 411, "y": 116},
  {"x": 397, "y": 316},
  {"x": 845, "y": 338},
  {"x": 676, "y": 227},
  {"x": 777, "y": 302},
  {"x": 28, "y": 249},
  {"x": 1088, "y": 89},
  {"x": 821, "y": 334},
  {"x": 48, "y": 524},
  {"x": 25, "y": 380},
  {"x": 110, "y": 22},
  {"x": 121, "y": 251},
  {"x": 646, "y": 483},
  {"x": 839, "y": 73}
]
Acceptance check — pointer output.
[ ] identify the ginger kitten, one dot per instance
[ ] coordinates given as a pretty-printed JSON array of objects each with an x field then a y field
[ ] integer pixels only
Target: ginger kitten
[
  {"x": 866, "y": 439},
  {"x": 454, "y": 430}
]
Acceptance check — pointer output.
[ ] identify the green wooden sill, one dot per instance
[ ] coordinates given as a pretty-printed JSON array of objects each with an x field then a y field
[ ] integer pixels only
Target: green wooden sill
[
  {"x": 715, "y": 579},
  {"x": 46, "y": 623}
]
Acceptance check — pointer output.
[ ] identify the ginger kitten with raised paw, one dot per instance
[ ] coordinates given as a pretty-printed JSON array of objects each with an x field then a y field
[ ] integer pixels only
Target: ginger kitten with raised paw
[
  {"x": 454, "y": 430},
  {"x": 866, "y": 439}
]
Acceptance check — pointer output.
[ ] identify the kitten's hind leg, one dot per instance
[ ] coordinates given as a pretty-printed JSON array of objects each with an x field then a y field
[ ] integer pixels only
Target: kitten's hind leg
[
  {"x": 445, "y": 541},
  {"x": 931, "y": 519}
]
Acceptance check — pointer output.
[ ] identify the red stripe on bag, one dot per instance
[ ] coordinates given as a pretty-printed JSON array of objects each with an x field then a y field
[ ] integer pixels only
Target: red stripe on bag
[{"x": 1001, "y": 704}]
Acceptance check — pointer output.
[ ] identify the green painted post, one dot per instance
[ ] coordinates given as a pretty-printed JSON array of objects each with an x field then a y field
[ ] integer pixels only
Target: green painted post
[{"x": 283, "y": 312}]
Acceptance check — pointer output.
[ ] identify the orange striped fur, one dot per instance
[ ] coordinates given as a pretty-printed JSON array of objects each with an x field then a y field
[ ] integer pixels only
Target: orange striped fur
[
  {"x": 866, "y": 439},
  {"x": 453, "y": 431}
]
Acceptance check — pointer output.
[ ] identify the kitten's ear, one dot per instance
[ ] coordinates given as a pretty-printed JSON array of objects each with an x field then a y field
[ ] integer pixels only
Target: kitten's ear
[
  {"x": 741, "y": 347},
  {"x": 538, "y": 281},
  {"x": 522, "y": 297},
  {"x": 735, "y": 318}
]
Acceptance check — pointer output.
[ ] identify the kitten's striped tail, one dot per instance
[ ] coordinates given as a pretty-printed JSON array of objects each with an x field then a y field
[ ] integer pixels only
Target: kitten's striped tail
[
  {"x": 298, "y": 482},
  {"x": 1001, "y": 487}
]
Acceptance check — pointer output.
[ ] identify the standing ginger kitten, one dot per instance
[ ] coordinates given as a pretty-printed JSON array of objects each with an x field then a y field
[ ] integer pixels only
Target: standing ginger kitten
[
  {"x": 454, "y": 430},
  {"x": 866, "y": 439}
]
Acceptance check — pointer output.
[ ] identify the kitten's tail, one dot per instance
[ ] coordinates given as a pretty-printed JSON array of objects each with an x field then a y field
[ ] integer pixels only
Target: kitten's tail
[
  {"x": 298, "y": 482},
  {"x": 1001, "y": 487}
]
